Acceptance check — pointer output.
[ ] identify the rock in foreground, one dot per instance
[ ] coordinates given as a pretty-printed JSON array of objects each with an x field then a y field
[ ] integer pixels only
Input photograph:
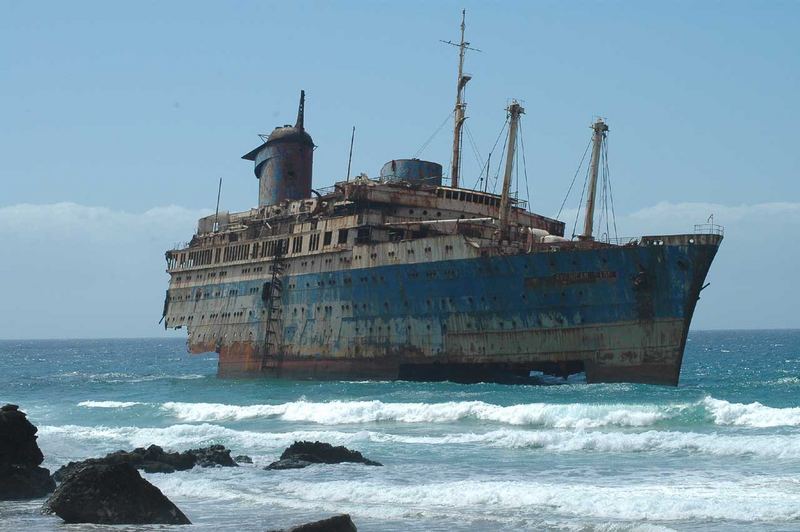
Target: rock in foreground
[
  {"x": 337, "y": 523},
  {"x": 20, "y": 456},
  {"x": 304, "y": 453},
  {"x": 155, "y": 460},
  {"x": 112, "y": 494}
]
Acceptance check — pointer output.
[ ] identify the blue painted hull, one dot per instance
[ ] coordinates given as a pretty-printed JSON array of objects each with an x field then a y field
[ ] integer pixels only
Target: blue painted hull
[{"x": 619, "y": 313}]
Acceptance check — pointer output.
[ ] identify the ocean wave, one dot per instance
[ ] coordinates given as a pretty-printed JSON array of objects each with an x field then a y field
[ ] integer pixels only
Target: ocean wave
[
  {"x": 353, "y": 412},
  {"x": 658, "y": 501},
  {"x": 552, "y": 415},
  {"x": 182, "y": 436},
  {"x": 785, "y": 380},
  {"x": 751, "y": 414},
  {"x": 502, "y": 500},
  {"x": 109, "y": 404},
  {"x": 765, "y": 446}
]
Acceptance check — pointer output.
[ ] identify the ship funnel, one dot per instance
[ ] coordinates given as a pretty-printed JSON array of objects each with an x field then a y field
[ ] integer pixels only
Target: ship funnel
[{"x": 283, "y": 164}]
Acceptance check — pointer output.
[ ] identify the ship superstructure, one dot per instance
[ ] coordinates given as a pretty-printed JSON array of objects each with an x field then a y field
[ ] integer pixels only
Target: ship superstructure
[{"x": 403, "y": 277}]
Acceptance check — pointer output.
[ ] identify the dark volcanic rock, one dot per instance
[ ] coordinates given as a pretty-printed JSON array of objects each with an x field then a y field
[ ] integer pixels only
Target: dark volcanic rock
[
  {"x": 24, "y": 482},
  {"x": 20, "y": 456},
  {"x": 212, "y": 456},
  {"x": 243, "y": 459},
  {"x": 112, "y": 494},
  {"x": 337, "y": 523},
  {"x": 155, "y": 460},
  {"x": 304, "y": 453}
]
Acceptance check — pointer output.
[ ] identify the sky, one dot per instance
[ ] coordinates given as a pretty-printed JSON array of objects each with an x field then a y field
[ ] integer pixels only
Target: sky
[{"x": 118, "y": 118}]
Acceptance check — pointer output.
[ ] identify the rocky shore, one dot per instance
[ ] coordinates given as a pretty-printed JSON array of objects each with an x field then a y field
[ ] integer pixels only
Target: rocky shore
[
  {"x": 155, "y": 460},
  {"x": 305, "y": 453},
  {"x": 21, "y": 476},
  {"x": 110, "y": 490}
]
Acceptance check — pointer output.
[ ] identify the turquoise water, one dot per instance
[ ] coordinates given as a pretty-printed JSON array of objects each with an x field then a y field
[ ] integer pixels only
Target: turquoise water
[{"x": 719, "y": 452}]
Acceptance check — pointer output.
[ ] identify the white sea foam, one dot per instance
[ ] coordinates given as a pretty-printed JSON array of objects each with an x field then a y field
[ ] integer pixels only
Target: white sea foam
[
  {"x": 350, "y": 412},
  {"x": 786, "y": 380},
  {"x": 181, "y": 436},
  {"x": 109, "y": 404},
  {"x": 751, "y": 414},
  {"x": 554, "y": 415},
  {"x": 767, "y": 446},
  {"x": 757, "y": 499}
]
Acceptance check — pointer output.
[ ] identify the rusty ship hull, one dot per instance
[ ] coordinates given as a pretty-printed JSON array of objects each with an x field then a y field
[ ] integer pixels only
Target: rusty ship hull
[{"x": 617, "y": 313}]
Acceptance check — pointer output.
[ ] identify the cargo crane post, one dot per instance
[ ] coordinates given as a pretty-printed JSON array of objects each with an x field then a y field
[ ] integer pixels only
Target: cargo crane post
[
  {"x": 600, "y": 129},
  {"x": 514, "y": 111}
]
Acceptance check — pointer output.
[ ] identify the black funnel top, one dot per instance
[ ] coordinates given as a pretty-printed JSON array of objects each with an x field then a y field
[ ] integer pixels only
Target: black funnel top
[{"x": 296, "y": 133}]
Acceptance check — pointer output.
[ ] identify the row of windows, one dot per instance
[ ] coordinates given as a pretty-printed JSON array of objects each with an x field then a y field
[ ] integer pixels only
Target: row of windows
[
  {"x": 462, "y": 195},
  {"x": 269, "y": 248}
]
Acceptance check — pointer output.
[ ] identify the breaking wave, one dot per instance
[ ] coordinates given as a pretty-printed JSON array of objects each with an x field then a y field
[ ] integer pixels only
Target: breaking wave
[
  {"x": 500, "y": 500},
  {"x": 109, "y": 404},
  {"x": 182, "y": 436},
  {"x": 751, "y": 414},
  {"x": 351, "y": 412},
  {"x": 551, "y": 415}
]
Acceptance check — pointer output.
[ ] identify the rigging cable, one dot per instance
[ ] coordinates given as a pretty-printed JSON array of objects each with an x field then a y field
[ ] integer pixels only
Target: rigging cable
[
  {"x": 430, "y": 139},
  {"x": 489, "y": 157},
  {"x": 610, "y": 191},
  {"x": 573, "y": 178},
  {"x": 516, "y": 176},
  {"x": 524, "y": 166},
  {"x": 476, "y": 152},
  {"x": 499, "y": 163},
  {"x": 580, "y": 202}
]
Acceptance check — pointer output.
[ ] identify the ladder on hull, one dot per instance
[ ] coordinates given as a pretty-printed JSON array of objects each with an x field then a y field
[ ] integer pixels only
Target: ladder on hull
[{"x": 271, "y": 294}]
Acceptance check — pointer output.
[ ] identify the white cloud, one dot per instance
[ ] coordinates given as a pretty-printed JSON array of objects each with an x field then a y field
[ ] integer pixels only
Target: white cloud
[
  {"x": 722, "y": 213},
  {"x": 71, "y": 220}
]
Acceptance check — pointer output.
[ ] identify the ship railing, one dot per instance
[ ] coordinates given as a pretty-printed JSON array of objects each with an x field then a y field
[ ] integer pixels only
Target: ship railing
[
  {"x": 324, "y": 191},
  {"x": 620, "y": 241},
  {"x": 709, "y": 229}
]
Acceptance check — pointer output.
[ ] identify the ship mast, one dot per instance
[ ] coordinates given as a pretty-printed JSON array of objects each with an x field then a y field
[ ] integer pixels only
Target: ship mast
[
  {"x": 600, "y": 128},
  {"x": 514, "y": 111},
  {"x": 460, "y": 105}
]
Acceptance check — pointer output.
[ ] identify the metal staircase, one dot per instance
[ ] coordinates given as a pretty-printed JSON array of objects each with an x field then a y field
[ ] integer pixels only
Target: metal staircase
[{"x": 271, "y": 294}]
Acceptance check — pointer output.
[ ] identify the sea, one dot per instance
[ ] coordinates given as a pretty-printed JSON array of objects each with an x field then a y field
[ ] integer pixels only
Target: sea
[{"x": 720, "y": 452}]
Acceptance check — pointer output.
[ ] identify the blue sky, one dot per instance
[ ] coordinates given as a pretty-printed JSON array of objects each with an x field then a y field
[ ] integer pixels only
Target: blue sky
[{"x": 117, "y": 119}]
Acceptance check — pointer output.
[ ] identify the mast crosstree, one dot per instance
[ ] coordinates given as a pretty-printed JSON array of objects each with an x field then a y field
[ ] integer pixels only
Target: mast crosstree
[{"x": 460, "y": 108}]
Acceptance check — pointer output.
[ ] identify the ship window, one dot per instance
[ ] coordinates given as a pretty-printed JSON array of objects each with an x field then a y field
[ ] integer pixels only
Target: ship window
[
  {"x": 326, "y": 241},
  {"x": 297, "y": 244},
  {"x": 362, "y": 235},
  {"x": 410, "y": 211},
  {"x": 343, "y": 236},
  {"x": 313, "y": 242}
]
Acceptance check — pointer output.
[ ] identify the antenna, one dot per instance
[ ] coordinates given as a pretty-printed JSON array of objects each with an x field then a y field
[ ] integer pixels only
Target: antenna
[
  {"x": 300, "y": 110},
  {"x": 350, "y": 159},
  {"x": 216, "y": 213},
  {"x": 460, "y": 105}
]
